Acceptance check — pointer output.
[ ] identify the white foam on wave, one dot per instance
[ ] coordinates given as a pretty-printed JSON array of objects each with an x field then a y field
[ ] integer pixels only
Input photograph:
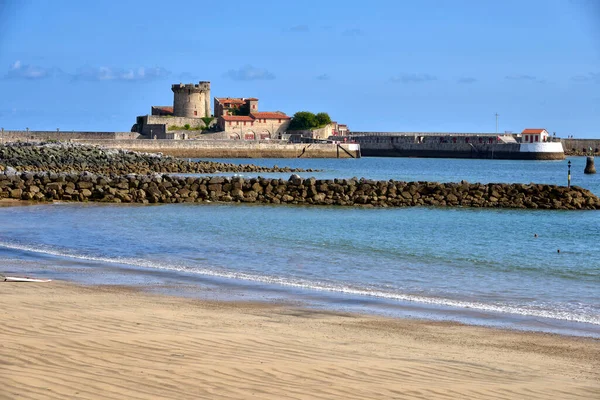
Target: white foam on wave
[{"x": 318, "y": 286}]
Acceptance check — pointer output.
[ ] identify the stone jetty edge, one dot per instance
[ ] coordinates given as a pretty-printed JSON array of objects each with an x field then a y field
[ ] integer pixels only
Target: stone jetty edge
[
  {"x": 71, "y": 157},
  {"x": 164, "y": 188}
]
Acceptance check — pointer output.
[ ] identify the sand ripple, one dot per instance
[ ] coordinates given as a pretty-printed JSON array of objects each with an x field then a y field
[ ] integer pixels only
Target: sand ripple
[{"x": 60, "y": 341}]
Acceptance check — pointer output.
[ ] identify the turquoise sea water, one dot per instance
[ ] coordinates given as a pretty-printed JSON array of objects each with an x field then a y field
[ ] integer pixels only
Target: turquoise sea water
[{"x": 481, "y": 266}]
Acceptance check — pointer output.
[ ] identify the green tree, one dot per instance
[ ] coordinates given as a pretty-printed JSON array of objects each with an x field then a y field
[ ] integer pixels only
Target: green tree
[
  {"x": 323, "y": 119},
  {"x": 303, "y": 120},
  {"x": 207, "y": 120}
]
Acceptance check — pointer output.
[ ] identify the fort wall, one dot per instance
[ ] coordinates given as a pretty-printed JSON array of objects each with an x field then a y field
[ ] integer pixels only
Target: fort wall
[
  {"x": 232, "y": 149},
  {"x": 319, "y": 134},
  {"x": 148, "y": 124},
  {"x": 257, "y": 129}
]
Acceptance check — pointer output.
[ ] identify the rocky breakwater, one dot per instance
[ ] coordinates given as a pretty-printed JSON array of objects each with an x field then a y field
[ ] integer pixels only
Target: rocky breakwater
[
  {"x": 157, "y": 188},
  {"x": 68, "y": 157}
]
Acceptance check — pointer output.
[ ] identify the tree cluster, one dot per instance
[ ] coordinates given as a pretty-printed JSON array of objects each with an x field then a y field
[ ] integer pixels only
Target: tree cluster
[{"x": 306, "y": 120}]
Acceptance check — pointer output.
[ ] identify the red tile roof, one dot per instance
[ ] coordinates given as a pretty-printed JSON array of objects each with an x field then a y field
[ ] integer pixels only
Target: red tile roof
[
  {"x": 232, "y": 100},
  {"x": 269, "y": 115},
  {"x": 237, "y": 118},
  {"x": 252, "y": 98},
  {"x": 532, "y": 131}
]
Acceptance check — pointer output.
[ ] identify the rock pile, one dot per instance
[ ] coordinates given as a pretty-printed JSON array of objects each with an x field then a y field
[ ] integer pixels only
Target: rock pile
[
  {"x": 68, "y": 157},
  {"x": 158, "y": 188}
]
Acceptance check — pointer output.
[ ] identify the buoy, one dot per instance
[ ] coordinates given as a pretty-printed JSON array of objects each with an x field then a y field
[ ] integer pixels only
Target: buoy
[
  {"x": 558, "y": 251},
  {"x": 590, "y": 168},
  {"x": 535, "y": 235}
]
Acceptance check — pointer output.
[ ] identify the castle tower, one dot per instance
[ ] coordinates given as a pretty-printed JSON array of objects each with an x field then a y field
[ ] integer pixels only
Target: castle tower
[{"x": 191, "y": 100}]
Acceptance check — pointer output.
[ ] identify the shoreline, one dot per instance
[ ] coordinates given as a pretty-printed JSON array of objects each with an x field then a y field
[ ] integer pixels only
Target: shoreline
[
  {"x": 67, "y": 340},
  {"x": 220, "y": 288},
  {"x": 225, "y": 287}
]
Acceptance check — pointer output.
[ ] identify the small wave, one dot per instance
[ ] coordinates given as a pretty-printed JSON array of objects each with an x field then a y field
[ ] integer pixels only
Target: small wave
[{"x": 316, "y": 285}]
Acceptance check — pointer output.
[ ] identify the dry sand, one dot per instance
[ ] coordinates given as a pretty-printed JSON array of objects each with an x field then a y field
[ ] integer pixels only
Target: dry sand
[{"x": 63, "y": 341}]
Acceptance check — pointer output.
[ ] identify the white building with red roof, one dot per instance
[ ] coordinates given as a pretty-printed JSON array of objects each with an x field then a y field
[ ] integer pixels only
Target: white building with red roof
[{"x": 534, "y": 135}]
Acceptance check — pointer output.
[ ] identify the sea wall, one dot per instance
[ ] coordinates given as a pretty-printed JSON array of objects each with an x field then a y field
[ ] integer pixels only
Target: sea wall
[
  {"x": 390, "y": 146},
  {"x": 581, "y": 147},
  {"x": 232, "y": 148},
  {"x": 40, "y": 136},
  {"x": 435, "y": 149},
  {"x": 156, "y": 188}
]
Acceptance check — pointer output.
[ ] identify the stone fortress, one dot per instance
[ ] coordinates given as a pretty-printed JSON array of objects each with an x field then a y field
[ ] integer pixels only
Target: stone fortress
[{"x": 234, "y": 118}]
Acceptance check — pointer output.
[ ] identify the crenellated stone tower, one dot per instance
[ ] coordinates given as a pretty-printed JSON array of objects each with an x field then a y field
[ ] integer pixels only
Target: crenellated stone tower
[{"x": 191, "y": 100}]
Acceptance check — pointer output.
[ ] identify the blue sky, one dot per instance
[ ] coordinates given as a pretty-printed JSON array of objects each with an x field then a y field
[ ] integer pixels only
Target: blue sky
[{"x": 377, "y": 66}]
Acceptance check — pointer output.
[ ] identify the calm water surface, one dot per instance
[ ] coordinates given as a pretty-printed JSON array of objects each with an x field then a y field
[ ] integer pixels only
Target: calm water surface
[{"x": 480, "y": 266}]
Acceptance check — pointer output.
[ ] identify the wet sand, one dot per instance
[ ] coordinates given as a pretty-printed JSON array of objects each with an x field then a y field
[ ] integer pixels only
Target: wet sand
[{"x": 59, "y": 340}]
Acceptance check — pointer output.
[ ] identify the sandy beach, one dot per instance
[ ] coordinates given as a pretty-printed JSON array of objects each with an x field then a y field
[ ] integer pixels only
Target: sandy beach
[{"x": 59, "y": 340}]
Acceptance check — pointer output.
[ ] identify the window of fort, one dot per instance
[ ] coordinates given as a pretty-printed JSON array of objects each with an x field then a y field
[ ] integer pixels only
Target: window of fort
[
  {"x": 244, "y": 123},
  {"x": 254, "y": 106},
  {"x": 195, "y": 112},
  {"x": 537, "y": 138},
  {"x": 279, "y": 120},
  {"x": 237, "y": 122},
  {"x": 229, "y": 123}
]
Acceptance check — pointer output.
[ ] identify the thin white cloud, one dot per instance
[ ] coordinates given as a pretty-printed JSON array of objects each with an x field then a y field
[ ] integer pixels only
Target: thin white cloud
[
  {"x": 353, "y": 32},
  {"x": 18, "y": 70},
  {"x": 467, "y": 80},
  {"x": 590, "y": 77},
  {"x": 520, "y": 77},
  {"x": 414, "y": 78},
  {"x": 299, "y": 28},
  {"x": 120, "y": 74},
  {"x": 249, "y": 73},
  {"x": 524, "y": 78}
]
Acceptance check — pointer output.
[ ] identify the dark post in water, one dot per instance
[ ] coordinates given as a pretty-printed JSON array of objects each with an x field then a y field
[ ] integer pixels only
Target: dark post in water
[
  {"x": 590, "y": 168},
  {"x": 569, "y": 174}
]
